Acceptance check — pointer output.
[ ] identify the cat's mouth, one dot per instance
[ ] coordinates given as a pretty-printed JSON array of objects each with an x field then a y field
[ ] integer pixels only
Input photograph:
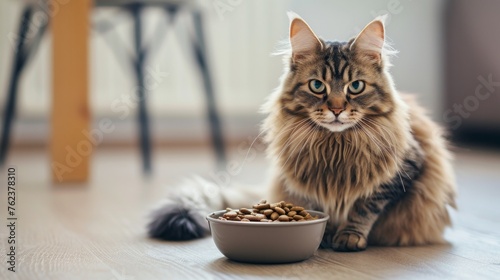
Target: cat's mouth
[
  {"x": 336, "y": 125},
  {"x": 334, "y": 122}
]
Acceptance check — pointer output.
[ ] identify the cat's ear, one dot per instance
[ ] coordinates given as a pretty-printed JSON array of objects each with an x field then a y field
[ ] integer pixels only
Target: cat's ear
[
  {"x": 370, "y": 41},
  {"x": 302, "y": 38}
]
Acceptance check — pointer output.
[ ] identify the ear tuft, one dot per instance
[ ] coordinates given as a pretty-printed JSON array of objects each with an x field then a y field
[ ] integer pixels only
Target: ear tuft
[
  {"x": 382, "y": 18},
  {"x": 302, "y": 38},
  {"x": 292, "y": 15},
  {"x": 370, "y": 41}
]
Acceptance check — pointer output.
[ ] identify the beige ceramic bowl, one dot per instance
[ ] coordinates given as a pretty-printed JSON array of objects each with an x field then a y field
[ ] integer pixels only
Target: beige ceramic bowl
[{"x": 256, "y": 242}]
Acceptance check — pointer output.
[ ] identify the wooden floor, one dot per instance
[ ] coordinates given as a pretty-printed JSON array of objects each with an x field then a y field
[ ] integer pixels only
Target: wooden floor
[{"x": 96, "y": 230}]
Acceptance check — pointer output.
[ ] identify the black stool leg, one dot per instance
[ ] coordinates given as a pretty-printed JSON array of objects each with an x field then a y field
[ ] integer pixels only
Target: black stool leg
[
  {"x": 143, "y": 119},
  {"x": 213, "y": 117},
  {"x": 17, "y": 67}
]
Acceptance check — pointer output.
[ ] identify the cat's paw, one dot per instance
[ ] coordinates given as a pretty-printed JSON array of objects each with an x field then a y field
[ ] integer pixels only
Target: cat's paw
[{"x": 348, "y": 241}]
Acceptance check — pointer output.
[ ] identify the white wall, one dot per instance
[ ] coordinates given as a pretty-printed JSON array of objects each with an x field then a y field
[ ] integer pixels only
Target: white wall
[{"x": 240, "y": 40}]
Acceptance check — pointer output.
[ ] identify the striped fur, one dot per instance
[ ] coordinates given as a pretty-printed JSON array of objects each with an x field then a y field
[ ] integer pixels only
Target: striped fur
[
  {"x": 373, "y": 161},
  {"x": 385, "y": 176}
]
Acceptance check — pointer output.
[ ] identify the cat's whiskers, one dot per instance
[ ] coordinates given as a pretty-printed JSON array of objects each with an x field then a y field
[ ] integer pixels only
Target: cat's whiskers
[
  {"x": 365, "y": 128},
  {"x": 288, "y": 128},
  {"x": 289, "y": 142},
  {"x": 262, "y": 132},
  {"x": 372, "y": 132},
  {"x": 356, "y": 134},
  {"x": 367, "y": 131},
  {"x": 251, "y": 145},
  {"x": 391, "y": 154},
  {"x": 314, "y": 140},
  {"x": 291, "y": 127},
  {"x": 311, "y": 136},
  {"x": 393, "y": 138},
  {"x": 290, "y": 139},
  {"x": 388, "y": 133},
  {"x": 308, "y": 129}
]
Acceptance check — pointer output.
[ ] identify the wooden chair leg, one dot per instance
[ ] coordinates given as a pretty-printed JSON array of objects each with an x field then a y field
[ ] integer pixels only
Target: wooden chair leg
[{"x": 70, "y": 149}]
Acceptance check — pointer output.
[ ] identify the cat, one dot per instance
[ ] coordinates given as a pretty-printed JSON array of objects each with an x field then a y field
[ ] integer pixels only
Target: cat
[{"x": 344, "y": 142}]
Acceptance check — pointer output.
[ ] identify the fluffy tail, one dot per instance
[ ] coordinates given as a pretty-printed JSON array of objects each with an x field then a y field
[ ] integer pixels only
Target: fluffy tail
[{"x": 182, "y": 215}]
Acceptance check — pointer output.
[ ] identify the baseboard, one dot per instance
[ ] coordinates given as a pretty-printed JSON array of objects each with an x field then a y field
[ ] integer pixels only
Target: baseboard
[{"x": 186, "y": 130}]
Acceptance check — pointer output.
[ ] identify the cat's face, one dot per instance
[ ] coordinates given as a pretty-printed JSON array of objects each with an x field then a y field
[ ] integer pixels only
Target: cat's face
[{"x": 337, "y": 85}]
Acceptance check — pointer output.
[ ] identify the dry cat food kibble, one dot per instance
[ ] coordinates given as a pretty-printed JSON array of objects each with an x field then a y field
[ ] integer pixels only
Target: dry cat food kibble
[{"x": 268, "y": 212}]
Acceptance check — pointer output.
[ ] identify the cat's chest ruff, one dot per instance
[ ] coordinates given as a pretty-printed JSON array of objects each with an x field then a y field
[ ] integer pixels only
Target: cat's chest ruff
[{"x": 337, "y": 173}]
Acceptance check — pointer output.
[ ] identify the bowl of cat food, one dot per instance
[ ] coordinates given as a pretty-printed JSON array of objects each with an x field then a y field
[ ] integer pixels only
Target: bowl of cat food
[{"x": 268, "y": 232}]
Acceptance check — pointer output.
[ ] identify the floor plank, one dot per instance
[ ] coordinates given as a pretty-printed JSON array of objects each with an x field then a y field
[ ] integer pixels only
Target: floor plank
[{"x": 96, "y": 230}]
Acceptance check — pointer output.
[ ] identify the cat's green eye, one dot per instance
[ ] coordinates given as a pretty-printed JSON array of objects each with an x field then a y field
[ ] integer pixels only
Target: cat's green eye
[
  {"x": 356, "y": 87},
  {"x": 317, "y": 86}
]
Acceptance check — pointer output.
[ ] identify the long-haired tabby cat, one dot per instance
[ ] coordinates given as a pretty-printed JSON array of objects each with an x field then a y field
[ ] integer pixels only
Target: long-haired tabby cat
[{"x": 345, "y": 142}]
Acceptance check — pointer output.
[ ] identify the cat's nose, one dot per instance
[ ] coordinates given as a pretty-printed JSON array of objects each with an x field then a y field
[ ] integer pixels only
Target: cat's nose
[
  {"x": 337, "y": 105},
  {"x": 336, "y": 111}
]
